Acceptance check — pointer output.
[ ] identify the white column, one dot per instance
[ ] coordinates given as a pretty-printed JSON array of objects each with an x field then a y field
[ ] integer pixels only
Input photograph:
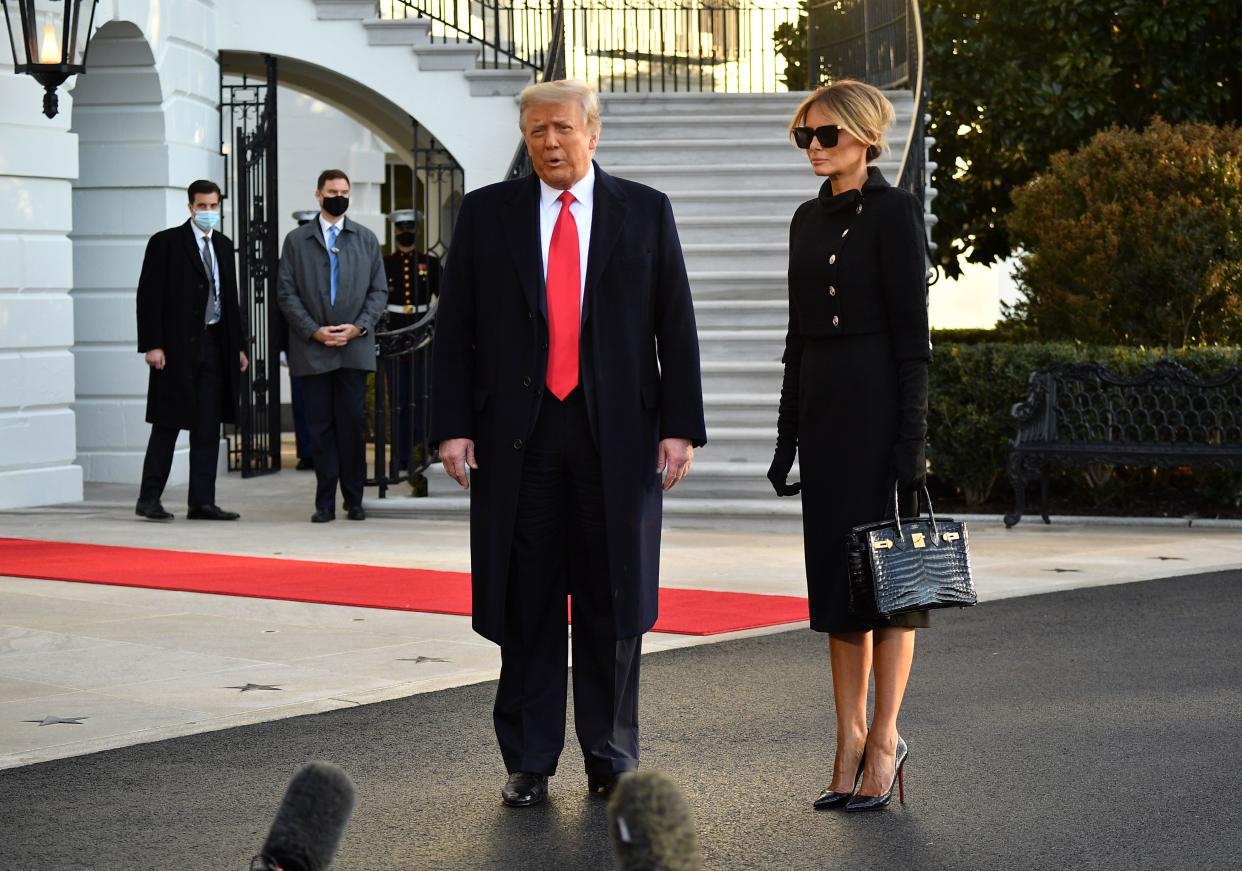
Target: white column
[{"x": 36, "y": 312}]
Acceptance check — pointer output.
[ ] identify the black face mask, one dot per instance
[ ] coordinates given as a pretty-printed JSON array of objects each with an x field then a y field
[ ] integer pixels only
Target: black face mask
[
  {"x": 406, "y": 239},
  {"x": 335, "y": 206}
]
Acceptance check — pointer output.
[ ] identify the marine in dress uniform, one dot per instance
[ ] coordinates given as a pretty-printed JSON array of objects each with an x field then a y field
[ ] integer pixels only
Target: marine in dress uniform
[{"x": 413, "y": 285}]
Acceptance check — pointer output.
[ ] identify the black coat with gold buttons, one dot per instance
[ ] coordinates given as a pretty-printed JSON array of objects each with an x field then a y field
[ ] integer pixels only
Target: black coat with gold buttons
[{"x": 854, "y": 396}]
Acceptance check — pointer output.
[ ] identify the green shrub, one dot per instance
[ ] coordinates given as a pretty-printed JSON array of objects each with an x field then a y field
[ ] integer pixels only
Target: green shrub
[
  {"x": 974, "y": 386},
  {"x": 1135, "y": 238}
]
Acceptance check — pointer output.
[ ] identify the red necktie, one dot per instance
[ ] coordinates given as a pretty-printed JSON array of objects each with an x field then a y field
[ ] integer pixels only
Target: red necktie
[{"x": 564, "y": 302}]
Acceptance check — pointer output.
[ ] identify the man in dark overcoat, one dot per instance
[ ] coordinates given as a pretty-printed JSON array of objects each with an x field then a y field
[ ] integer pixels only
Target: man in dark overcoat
[
  {"x": 189, "y": 329},
  {"x": 566, "y": 395}
]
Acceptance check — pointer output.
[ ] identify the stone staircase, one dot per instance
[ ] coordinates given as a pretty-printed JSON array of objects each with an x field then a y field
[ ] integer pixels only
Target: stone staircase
[
  {"x": 432, "y": 56},
  {"x": 734, "y": 180}
]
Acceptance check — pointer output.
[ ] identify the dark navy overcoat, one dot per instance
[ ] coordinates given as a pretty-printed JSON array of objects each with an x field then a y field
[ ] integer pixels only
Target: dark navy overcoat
[{"x": 639, "y": 372}]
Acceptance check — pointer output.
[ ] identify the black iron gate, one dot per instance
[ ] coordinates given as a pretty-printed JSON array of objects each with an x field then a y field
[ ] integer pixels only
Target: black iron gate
[
  {"x": 248, "y": 143},
  {"x": 432, "y": 182}
]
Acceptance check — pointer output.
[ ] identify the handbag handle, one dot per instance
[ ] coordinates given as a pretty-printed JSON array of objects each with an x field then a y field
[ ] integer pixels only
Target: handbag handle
[{"x": 931, "y": 512}]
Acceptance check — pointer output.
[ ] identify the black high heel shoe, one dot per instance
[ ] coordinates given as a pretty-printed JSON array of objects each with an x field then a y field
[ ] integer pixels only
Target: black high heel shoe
[
  {"x": 830, "y": 799},
  {"x": 875, "y": 802}
]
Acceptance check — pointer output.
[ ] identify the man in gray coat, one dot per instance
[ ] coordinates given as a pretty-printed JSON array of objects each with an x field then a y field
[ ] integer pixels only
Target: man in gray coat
[{"x": 332, "y": 291}]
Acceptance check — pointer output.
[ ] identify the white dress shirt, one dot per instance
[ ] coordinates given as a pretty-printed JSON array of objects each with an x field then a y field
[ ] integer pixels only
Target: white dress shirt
[
  {"x": 339, "y": 223},
  {"x": 203, "y": 241},
  {"x": 581, "y": 208}
]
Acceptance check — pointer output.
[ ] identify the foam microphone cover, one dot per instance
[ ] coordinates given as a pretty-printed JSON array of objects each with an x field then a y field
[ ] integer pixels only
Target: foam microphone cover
[
  {"x": 311, "y": 819},
  {"x": 651, "y": 825}
]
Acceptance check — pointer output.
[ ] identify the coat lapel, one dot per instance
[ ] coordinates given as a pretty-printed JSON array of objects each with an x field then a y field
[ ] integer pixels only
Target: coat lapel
[
  {"x": 607, "y": 221},
  {"x": 521, "y": 229}
]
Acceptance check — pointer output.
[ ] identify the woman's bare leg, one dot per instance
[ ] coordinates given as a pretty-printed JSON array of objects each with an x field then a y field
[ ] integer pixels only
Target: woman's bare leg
[
  {"x": 850, "y": 656},
  {"x": 893, "y": 655}
]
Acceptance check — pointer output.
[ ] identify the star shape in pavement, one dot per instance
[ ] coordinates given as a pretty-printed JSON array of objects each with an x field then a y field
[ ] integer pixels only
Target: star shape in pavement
[
  {"x": 417, "y": 659},
  {"x": 58, "y": 721},
  {"x": 255, "y": 686}
]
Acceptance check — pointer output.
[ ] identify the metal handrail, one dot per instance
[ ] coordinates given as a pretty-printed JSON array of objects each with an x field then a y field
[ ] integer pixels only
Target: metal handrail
[
  {"x": 916, "y": 119},
  {"x": 619, "y": 45}
]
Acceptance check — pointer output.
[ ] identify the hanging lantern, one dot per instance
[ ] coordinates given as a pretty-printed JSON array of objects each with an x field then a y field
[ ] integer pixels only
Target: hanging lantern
[{"x": 54, "y": 37}]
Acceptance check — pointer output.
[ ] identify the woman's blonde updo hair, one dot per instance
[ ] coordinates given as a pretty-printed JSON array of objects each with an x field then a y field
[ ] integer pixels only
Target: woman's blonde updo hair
[{"x": 861, "y": 110}]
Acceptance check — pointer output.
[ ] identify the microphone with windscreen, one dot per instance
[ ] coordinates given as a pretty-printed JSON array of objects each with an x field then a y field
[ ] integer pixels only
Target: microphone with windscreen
[
  {"x": 310, "y": 822},
  {"x": 651, "y": 825}
]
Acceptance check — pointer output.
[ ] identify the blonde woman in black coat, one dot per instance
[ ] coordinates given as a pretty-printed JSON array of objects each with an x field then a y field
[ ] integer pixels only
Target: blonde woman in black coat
[{"x": 853, "y": 409}]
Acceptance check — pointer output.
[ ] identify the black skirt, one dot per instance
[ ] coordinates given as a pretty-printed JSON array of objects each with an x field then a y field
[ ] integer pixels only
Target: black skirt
[{"x": 847, "y": 425}]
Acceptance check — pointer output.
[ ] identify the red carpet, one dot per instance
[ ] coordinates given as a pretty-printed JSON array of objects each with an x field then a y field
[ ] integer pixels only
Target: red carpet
[{"x": 686, "y": 612}]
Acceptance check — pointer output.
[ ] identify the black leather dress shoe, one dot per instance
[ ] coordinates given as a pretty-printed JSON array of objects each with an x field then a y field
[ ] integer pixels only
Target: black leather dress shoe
[
  {"x": 601, "y": 784},
  {"x": 355, "y": 512},
  {"x": 524, "y": 790},
  {"x": 323, "y": 516},
  {"x": 211, "y": 512},
  {"x": 152, "y": 511}
]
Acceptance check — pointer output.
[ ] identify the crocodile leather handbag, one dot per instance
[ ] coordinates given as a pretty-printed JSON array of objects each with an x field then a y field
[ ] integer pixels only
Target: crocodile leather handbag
[{"x": 917, "y": 564}]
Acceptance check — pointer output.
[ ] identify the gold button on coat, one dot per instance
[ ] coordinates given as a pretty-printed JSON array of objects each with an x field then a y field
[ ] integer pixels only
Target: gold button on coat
[
  {"x": 832, "y": 291},
  {"x": 832, "y": 259},
  {"x": 836, "y": 321}
]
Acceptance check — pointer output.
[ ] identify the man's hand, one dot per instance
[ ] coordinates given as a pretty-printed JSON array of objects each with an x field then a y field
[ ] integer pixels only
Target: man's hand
[
  {"x": 155, "y": 358},
  {"x": 456, "y": 455},
  {"x": 245, "y": 361},
  {"x": 676, "y": 458},
  {"x": 330, "y": 336}
]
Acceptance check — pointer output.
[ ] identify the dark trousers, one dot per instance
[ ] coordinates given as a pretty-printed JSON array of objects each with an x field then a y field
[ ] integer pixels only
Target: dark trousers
[
  {"x": 204, "y": 434},
  {"x": 301, "y": 433},
  {"x": 404, "y": 377},
  {"x": 559, "y": 548},
  {"x": 334, "y": 416}
]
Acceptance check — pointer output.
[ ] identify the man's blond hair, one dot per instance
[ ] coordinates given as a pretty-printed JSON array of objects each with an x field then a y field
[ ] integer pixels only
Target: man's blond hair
[{"x": 560, "y": 92}]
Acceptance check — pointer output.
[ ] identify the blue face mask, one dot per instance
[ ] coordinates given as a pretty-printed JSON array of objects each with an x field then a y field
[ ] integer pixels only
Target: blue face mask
[{"x": 207, "y": 220}]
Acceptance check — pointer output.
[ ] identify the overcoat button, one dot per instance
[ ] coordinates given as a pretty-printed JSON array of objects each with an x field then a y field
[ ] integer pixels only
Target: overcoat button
[
  {"x": 517, "y": 444},
  {"x": 832, "y": 291},
  {"x": 836, "y": 321},
  {"x": 845, "y": 232},
  {"x": 832, "y": 259},
  {"x": 530, "y": 316},
  {"x": 526, "y": 381}
]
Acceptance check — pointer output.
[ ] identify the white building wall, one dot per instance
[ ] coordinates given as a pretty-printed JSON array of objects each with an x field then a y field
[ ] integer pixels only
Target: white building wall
[{"x": 38, "y": 158}]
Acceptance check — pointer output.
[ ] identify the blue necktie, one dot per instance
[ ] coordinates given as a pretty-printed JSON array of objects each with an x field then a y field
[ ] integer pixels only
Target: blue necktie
[{"x": 335, "y": 263}]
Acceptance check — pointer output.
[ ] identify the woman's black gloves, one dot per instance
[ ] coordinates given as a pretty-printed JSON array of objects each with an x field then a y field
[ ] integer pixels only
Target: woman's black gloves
[
  {"x": 908, "y": 463},
  {"x": 778, "y": 472}
]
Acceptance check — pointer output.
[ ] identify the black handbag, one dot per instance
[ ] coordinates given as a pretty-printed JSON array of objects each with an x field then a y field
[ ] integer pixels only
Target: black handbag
[{"x": 917, "y": 564}]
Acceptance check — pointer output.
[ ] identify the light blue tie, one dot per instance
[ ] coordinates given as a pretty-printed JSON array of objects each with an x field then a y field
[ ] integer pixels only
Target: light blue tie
[{"x": 335, "y": 263}]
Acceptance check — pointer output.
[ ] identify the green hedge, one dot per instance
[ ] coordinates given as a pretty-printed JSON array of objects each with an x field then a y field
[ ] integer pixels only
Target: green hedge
[{"x": 974, "y": 386}]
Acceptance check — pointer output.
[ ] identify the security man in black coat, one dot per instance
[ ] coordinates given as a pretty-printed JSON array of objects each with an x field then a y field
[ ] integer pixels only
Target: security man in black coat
[
  {"x": 413, "y": 285},
  {"x": 189, "y": 328}
]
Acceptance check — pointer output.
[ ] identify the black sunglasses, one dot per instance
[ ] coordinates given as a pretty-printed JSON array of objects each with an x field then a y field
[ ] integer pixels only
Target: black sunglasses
[{"x": 827, "y": 135}]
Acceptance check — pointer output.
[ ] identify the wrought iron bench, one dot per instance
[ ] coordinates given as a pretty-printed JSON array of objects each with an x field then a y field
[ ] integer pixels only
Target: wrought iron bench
[{"x": 1083, "y": 413}]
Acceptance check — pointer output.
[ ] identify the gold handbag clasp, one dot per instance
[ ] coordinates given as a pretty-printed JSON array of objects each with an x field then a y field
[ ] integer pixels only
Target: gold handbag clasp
[
  {"x": 919, "y": 539},
  {"x": 882, "y": 544}
]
